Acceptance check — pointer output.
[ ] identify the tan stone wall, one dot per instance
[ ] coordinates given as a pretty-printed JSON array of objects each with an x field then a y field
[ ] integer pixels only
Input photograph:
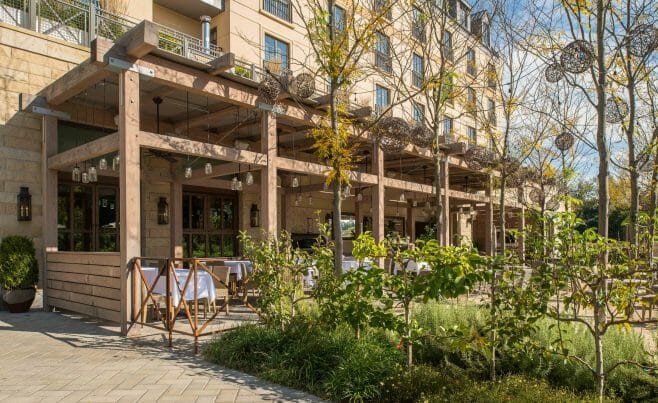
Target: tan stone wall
[{"x": 28, "y": 62}]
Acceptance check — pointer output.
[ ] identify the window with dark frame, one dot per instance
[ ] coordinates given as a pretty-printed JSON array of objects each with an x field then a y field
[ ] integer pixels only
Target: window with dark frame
[
  {"x": 417, "y": 70},
  {"x": 447, "y": 45},
  {"x": 385, "y": 7},
  {"x": 339, "y": 18},
  {"x": 279, "y": 8},
  {"x": 471, "y": 67},
  {"x": 383, "y": 59},
  {"x": 448, "y": 126},
  {"x": 277, "y": 50},
  {"x": 210, "y": 225},
  {"x": 492, "y": 111},
  {"x": 418, "y": 113},
  {"x": 491, "y": 76},
  {"x": 417, "y": 24},
  {"x": 471, "y": 101},
  {"x": 472, "y": 135},
  {"x": 382, "y": 99}
]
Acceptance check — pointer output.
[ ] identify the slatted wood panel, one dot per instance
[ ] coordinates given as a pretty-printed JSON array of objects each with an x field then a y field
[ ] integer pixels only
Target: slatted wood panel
[{"x": 87, "y": 283}]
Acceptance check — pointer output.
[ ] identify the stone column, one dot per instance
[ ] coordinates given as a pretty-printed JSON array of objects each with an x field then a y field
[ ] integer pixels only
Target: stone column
[
  {"x": 129, "y": 185},
  {"x": 49, "y": 204},
  {"x": 378, "y": 195},
  {"x": 268, "y": 187}
]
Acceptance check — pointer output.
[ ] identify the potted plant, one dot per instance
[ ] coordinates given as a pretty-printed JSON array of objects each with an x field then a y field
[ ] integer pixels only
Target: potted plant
[{"x": 19, "y": 272}]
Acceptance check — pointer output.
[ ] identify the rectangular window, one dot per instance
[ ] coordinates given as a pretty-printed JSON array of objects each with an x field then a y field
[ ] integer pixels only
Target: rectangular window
[
  {"x": 448, "y": 126},
  {"x": 210, "y": 225},
  {"x": 383, "y": 52},
  {"x": 276, "y": 53},
  {"x": 491, "y": 76},
  {"x": 463, "y": 16},
  {"x": 417, "y": 70},
  {"x": 470, "y": 62},
  {"x": 418, "y": 112},
  {"x": 447, "y": 89},
  {"x": 486, "y": 35},
  {"x": 339, "y": 18},
  {"x": 383, "y": 6},
  {"x": 472, "y": 135},
  {"x": 491, "y": 106},
  {"x": 447, "y": 45},
  {"x": 471, "y": 101},
  {"x": 279, "y": 8},
  {"x": 382, "y": 99},
  {"x": 418, "y": 24}
]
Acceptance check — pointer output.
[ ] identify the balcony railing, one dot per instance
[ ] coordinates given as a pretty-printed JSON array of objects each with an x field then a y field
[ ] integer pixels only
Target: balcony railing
[{"x": 279, "y": 8}]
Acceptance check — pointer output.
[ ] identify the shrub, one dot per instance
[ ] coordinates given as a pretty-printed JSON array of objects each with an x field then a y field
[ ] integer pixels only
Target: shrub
[{"x": 19, "y": 268}]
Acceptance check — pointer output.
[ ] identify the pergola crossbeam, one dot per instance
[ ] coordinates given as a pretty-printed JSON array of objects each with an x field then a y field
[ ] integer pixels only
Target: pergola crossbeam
[{"x": 87, "y": 151}]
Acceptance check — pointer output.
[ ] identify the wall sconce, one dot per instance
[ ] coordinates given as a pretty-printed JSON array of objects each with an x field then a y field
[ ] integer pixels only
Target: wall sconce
[
  {"x": 254, "y": 216},
  {"x": 24, "y": 205},
  {"x": 163, "y": 211}
]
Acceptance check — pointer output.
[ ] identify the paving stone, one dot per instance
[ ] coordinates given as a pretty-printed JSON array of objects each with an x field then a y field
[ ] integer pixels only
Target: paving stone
[{"x": 55, "y": 357}]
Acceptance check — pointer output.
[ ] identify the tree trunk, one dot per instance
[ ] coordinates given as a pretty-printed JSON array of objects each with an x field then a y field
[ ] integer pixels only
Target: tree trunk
[
  {"x": 601, "y": 141},
  {"x": 338, "y": 236},
  {"x": 407, "y": 324},
  {"x": 438, "y": 185},
  {"x": 632, "y": 165},
  {"x": 598, "y": 344},
  {"x": 652, "y": 208},
  {"x": 501, "y": 212}
]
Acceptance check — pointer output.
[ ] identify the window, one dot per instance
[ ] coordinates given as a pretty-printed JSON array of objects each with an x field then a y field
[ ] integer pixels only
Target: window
[
  {"x": 339, "y": 19},
  {"x": 447, "y": 45},
  {"x": 418, "y": 112},
  {"x": 383, "y": 52},
  {"x": 472, "y": 135},
  {"x": 448, "y": 126},
  {"x": 417, "y": 24},
  {"x": 471, "y": 101},
  {"x": 470, "y": 62},
  {"x": 382, "y": 99},
  {"x": 451, "y": 8},
  {"x": 486, "y": 35},
  {"x": 383, "y": 6},
  {"x": 279, "y": 8},
  {"x": 348, "y": 226},
  {"x": 417, "y": 70},
  {"x": 491, "y": 106},
  {"x": 447, "y": 89},
  {"x": 463, "y": 16},
  {"x": 87, "y": 217},
  {"x": 213, "y": 36},
  {"x": 276, "y": 52},
  {"x": 492, "y": 76},
  {"x": 210, "y": 225}
]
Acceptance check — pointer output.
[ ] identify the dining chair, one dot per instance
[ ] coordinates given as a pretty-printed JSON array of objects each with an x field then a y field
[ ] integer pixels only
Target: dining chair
[
  {"x": 220, "y": 278},
  {"x": 248, "y": 284}
]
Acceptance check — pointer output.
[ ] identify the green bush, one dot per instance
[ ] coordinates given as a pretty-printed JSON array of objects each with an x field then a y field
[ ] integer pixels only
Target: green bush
[{"x": 19, "y": 268}]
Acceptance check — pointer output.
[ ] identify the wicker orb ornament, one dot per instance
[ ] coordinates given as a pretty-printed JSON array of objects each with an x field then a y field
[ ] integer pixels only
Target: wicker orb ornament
[
  {"x": 536, "y": 196},
  {"x": 616, "y": 109},
  {"x": 392, "y": 134},
  {"x": 422, "y": 136},
  {"x": 516, "y": 179},
  {"x": 303, "y": 85},
  {"x": 642, "y": 40},
  {"x": 511, "y": 164},
  {"x": 577, "y": 57},
  {"x": 269, "y": 88},
  {"x": 553, "y": 204},
  {"x": 553, "y": 73},
  {"x": 478, "y": 157},
  {"x": 564, "y": 141}
]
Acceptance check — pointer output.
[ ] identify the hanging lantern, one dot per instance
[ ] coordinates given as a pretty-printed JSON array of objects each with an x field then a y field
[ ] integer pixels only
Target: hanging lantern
[
  {"x": 428, "y": 205},
  {"x": 249, "y": 179},
  {"x": 85, "y": 177},
  {"x": 93, "y": 174},
  {"x": 295, "y": 181},
  {"x": 642, "y": 40},
  {"x": 234, "y": 183},
  {"x": 116, "y": 162},
  {"x": 325, "y": 186},
  {"x": 422, "y": 136},
  {"x": 616, "y": 109},
  {"x": 392, "y": 134},
  {"x": 359, "y": 197},
  {"x": 102, "y": 164},
  {"x": 269, "y": 89},
  {"x": 564, "y": 141},
  {"x": 414, "y": 203},
  {"x": 163, "y": 211},
  {"x": 554, "y": 72},
  {"x": 188, "y": 172},
  {"x": 403, "y": 198},
  {"x": 75, "y": 174},
  {"x": 24, "y": 205},
  {"x": 310, "y": 200},
  {"x": 347, "y": 191},
  {"x": 254, "y": 216},
  {"x": 303, "y": 85},
  {"x": 207, "y": 169},
  {"x": 577, "y": 57}
]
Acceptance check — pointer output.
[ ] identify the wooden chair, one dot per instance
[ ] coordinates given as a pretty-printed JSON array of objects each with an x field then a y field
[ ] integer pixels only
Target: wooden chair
[
  {"x": 221, "y": 276},
  {"x": 248, "y": 284}
]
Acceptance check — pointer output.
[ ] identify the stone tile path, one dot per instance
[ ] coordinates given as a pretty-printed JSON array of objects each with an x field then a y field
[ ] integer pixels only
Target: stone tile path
[{"x": 55, "y": 357}]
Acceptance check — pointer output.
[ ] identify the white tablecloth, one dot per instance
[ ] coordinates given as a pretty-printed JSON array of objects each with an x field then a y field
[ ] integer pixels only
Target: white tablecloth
[
  {"x": 352, "y": 264},
  {"x": 234, "y": 267},
  {"x": 413, "y": 267},
  {"x": 205, "y": 285}
]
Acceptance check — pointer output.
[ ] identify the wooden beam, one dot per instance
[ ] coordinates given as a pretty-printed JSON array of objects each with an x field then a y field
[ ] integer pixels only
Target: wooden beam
[
  {"x": 408, "y": 186},
  {"x": 200, "y": 149},
  {"x": 311, "y": 168},
  {"x": 293, "y": 136},
  {"x": 205, "y": 119},
  {"x": 230, "y": 168},
  {"x": 378, "y": 196},
  {"x": 93, "y": 149},
  {"x": 141, "y": 40},
  {"x": 74, "y": 82},
  {"x": 222, "y": 63},
  {"x": 315, "y": 187},
  {"x": 49, "y": 199}
]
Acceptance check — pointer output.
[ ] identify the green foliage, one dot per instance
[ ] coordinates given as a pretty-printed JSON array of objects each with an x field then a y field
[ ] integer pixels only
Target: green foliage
[
  {"x": 278, "y": 269},
  {"x": 19, "y": 268}
]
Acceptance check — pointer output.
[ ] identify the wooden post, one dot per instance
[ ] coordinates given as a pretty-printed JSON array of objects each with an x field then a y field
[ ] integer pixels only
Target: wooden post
[
  {"x": 268, "y": 187},
  {"x": 49, "y": 204},
  {"x": 129, "y": 184},
  {"x": 378, "y": 195},
  {"x": 176, "y": 218},
  {"x": 411, "y": 222},
  {"x": 521, "y": 224},
  {"x": 445, "y": 214},
  {"x": 358, "y": 215}
]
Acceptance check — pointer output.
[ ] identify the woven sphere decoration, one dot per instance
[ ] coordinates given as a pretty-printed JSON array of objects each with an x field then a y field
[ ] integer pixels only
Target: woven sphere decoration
[
  {"x": 616, "y": 109},
  {"x": 577, "y": 56},
  {"x": 422, "y": 136},
  {"x": 510, "y": 164},
  {"x": 553, "y": 204},
  {"x": 269, "y": 88},
  {"x": 536, "y": 196},
  {"x": 516, "y": 179},
  {"x": 564, "y": 141},
  {"x": 477, "y": 157},
  {"x": 642, "y": 40},
  {"x": 303, "y": 85},
  {"x": 392, "y": 134},
  {"x": 553, "y": 73}
]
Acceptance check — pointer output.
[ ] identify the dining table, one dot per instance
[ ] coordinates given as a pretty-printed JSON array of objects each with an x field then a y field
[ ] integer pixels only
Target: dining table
[
  {"x": 412, "y": 267},
  {"x": 205, "y": 286}
]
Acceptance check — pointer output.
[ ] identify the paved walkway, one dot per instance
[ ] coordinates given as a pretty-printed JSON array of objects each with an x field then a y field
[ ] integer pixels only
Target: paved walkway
[{"x": 54, "y": 357}]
